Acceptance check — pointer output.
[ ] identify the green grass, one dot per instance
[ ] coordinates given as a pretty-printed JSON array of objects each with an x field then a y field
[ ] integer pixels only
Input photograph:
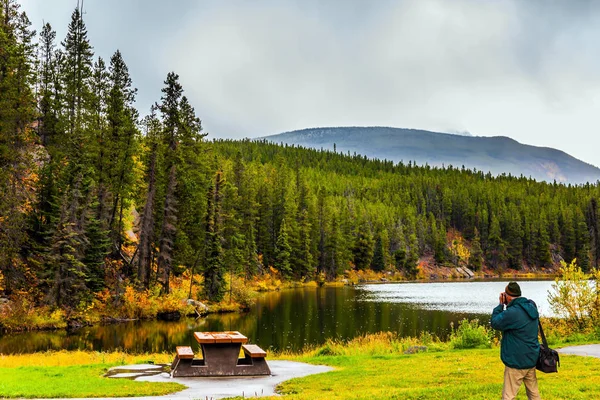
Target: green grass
[
  {"x": 74, "y": 381},
  {"x": 451, "y": 374},
  {"x": 75, "y": 374}
]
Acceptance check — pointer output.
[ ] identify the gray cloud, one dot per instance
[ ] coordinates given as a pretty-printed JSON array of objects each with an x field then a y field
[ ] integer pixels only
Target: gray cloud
[{"x": 525, "y": 69}]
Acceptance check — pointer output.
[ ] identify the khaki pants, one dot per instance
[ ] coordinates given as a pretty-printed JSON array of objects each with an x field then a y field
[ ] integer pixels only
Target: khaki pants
[{"x": 512, "y": 382}]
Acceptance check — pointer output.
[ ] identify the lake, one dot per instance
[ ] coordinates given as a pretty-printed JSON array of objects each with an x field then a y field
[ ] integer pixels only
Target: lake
[{"x": 292, "y": 319}]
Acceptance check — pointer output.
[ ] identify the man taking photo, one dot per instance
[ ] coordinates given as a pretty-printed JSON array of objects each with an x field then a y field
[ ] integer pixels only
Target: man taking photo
[{"x": 517, "y": 318}]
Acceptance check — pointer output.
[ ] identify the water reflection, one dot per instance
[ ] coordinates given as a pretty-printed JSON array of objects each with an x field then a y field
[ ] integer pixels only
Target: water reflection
[
  {"x": 471, "y": 297},
  {"x": 292, "y": 319}
]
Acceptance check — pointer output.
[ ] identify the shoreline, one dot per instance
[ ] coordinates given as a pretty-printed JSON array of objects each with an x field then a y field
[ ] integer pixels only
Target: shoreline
[{"x": 357, "y": 278}]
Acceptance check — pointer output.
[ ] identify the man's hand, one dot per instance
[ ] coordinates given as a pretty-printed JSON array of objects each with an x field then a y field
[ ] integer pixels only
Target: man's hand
[{"x": 502, "y": 298}]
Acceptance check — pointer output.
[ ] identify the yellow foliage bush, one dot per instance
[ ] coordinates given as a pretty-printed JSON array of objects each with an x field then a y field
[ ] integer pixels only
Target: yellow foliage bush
[{"x": 20, "y": 313}]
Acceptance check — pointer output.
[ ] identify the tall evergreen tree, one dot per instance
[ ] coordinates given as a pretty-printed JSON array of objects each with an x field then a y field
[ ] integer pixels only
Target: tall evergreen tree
[
  {"x": 214, "y": 274},
  {"x": 283, "y": 251},
  {"x": 496, "y": 248},
  {"x": 170, "y": 109},
  {"x": 363, "y": 247},
  {"x": 378, "y": 263},
  {"x": 122, "y": 132},
  {"x": 476, "y": 257},
  {"x": 76, "y": 74},
  {"x": 146, "y": 230}
]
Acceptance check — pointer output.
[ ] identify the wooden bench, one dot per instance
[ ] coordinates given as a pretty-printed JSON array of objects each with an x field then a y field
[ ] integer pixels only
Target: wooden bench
[
  {"x": 254, "y": 351},
  {"x": 185, "y": 353}
]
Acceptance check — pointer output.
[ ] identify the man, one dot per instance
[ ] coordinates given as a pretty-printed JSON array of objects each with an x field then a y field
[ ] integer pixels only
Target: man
[{"x": 519, "y": 347}]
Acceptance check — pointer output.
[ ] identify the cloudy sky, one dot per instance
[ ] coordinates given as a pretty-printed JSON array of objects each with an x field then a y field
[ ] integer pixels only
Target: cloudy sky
[{"x": 529, "y": 70}]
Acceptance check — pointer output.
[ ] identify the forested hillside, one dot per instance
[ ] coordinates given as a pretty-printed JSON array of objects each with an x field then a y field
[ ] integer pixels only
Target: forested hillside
[
  {"x": 498, "y": 154},
  {"x": 94, "y": 198}
]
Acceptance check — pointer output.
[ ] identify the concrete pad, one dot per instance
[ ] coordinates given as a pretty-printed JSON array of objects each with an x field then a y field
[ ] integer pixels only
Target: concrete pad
[
  {"x": 220, "y": 387},
  {"x": 247, "y": 386},
  {"x": 591, "y": 350}
]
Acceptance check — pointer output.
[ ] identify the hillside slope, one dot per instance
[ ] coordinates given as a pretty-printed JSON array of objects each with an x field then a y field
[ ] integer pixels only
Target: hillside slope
[{"x": 497, "y": 154}]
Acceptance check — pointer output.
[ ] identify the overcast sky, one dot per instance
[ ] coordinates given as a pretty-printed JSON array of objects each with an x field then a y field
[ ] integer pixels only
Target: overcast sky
[{"x": 525, "y": 69}]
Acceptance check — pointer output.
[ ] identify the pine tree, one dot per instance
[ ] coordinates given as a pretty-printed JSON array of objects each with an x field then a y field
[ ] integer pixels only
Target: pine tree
[
  {"x": 476, "y": 257},
  {"x": 594, "y": 227},
  {"x": 47, "y": 118},
  {"x": 76, "y": 76},
  {"x": 542, "y": 244},
  {"x": 567, "y": 240},
  {"x": 67, "y": 278},
  {"x": 283, "y": 251},
  {"x": 169, "y": 108},
  {"x": 146, "y": 229},
  {"x": 378, "y": 263},
  {"x": 363, "y": 247},
  {"x": 214, "y": 274},
  {"x": 514, "y": 241},
  {"x": 333, "y": 249},
  {"x": 168, "y": 232},
  {"x": 582, "y": 241},
  {"x": 305, "y": 257},
  {"x": 412, "y": 257},
  {"x": 122, "y": 132},
  {"x": 496, "y": 247}
]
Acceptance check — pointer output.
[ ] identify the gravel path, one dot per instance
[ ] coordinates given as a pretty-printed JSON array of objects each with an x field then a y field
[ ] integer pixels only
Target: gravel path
[{"x": 592, "y": 350}]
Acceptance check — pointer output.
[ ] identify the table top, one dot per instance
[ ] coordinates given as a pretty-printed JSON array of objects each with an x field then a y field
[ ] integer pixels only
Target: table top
[{"x": 220, "y": 337}]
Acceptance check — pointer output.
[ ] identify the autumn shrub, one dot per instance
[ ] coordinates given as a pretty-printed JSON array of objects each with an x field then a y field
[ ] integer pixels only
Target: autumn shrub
[
  {"x": 470, "y": 334},
  {"x": 358, "y": 276},
  {"x": 242, "y": 293},
  {"x": 574, "y": 297},
  {"x": 21, "y": 313},
  {"x": 269, "y": 281}
]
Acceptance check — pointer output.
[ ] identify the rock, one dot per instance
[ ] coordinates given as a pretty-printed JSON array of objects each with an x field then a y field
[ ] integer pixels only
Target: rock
[{"x": 201, "y": 307}]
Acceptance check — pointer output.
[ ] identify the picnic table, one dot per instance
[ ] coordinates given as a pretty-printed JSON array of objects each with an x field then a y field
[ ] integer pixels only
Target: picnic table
[{"x": 220, "y": 356}]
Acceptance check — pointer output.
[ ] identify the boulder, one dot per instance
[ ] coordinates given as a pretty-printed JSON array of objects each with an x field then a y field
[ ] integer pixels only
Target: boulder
[{"x": 198, "y": 305}]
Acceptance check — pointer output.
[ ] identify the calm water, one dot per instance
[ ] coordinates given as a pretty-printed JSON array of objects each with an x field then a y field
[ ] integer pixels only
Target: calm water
[{"x": 295, "y": 318}]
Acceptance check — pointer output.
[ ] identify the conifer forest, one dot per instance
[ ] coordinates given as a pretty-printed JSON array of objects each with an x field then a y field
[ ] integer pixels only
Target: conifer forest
[{"x": 95, "y": 194}]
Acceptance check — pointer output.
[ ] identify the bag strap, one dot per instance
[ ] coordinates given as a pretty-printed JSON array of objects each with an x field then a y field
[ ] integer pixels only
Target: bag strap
[{"x": 544, "y": 341}]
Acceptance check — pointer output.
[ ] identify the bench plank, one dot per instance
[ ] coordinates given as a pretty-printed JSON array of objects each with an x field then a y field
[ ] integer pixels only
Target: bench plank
[
  {"x": 185, "y": 352},
  {"x": 254, "y": 351}
]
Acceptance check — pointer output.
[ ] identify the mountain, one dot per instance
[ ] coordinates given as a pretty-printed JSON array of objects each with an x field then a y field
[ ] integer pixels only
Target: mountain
[{"x": 498, "y": 154}]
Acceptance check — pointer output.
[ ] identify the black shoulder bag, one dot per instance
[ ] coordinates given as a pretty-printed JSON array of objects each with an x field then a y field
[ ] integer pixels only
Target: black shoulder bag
[{"x": 548, "y": 360}]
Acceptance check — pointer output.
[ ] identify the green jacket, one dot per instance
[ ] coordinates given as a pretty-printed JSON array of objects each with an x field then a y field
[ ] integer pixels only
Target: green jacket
[{"x": 519, "y": 325}]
